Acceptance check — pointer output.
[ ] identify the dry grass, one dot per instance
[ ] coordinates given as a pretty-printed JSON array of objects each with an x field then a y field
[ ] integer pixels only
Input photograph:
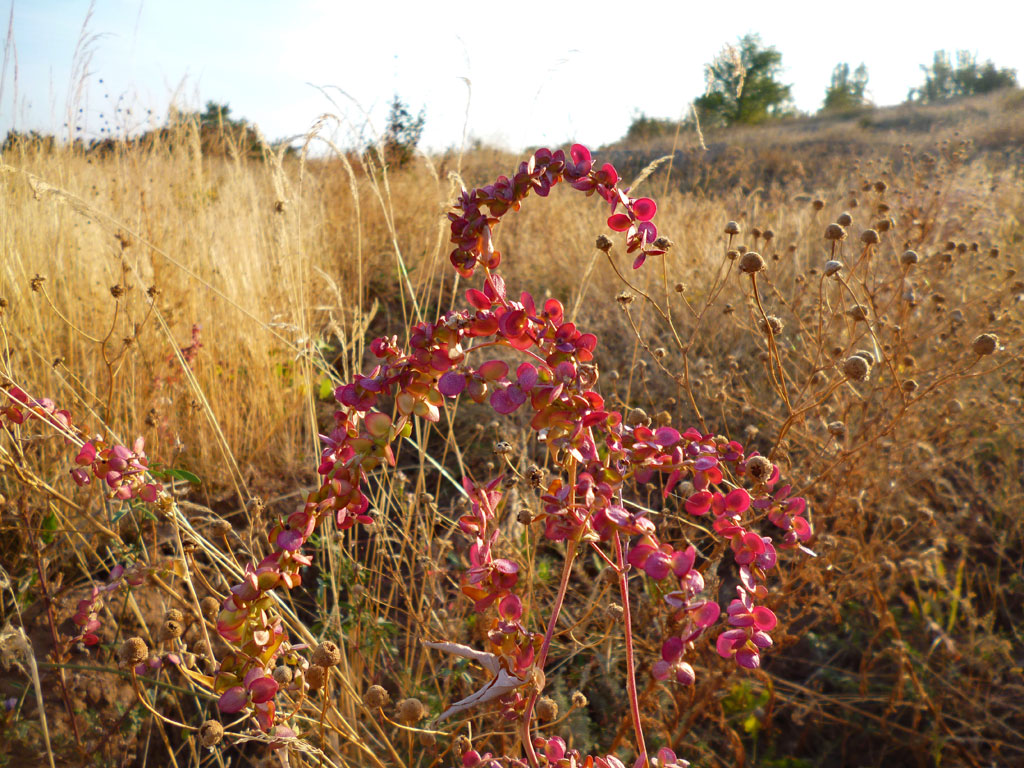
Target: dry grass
[{"x": 900, "y": 642}]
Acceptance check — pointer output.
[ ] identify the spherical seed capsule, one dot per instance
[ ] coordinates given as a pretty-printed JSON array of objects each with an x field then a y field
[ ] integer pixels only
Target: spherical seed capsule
[
  {"x": 772, "y": 323},
  {"x": 547, "y": 709},
  {"x": 376, "y": 697},
  {"x": 579, "y": 700},
  {"x": 732, "y": 228},
  {"x": 759, "y": 468},
  {"x": 210, "y": 606},
  {"x": 909, "y": 257},
  {"x": 410, "y": 711},
  {"x": 858, "y": 312},
  {"x": 985, "y": 344},
  {"x": 603, "y": 243},
  {"x": 818, "y": 204},
  {"x": 327, "y": 654},
  {"x": 844, "y": 219},
  {"x": 837, "y": 429},
  {"x": 173, "y": 614},
  {"x": 132, "y": 651},
  {"x": 856, "y": 368},
  {"x": 171, "y": 630},
  {"x": 283, "y": 674},
  {"x": 869, "y": 237},
  {"x": 751, "y": 263},
  {"x": 833, "y": 267},
  {"x": 835, "y": 233},
  {"x": 210, "y": 733},
  {"x": 316, "y": 676}
]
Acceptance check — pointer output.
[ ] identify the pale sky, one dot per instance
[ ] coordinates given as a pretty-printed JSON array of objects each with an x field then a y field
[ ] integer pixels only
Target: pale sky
[{"x": 541, "y": 72}]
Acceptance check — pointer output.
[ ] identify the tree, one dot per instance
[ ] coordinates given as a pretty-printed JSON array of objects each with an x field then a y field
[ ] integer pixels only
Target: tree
[
  {"x": 846, "y": 93},
  {"x": 402, "y": 134},
  {"x": 743, "y": 85},
  {"x": 968, "y": 78}
]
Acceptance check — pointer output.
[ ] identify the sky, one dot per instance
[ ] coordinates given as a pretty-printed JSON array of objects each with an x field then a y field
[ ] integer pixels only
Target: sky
[{"x": 514, "y": 74}]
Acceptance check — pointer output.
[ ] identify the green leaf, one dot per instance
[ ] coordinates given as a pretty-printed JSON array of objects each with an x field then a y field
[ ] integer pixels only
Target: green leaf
[
  {"x": 49, "y": 527},
  {"x": 182, "y": 474}
]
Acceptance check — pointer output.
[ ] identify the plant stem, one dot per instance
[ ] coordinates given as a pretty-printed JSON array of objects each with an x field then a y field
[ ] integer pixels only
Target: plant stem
[
  {"x": 572, "y": 545},
  {"x": 634, "y": 702}
]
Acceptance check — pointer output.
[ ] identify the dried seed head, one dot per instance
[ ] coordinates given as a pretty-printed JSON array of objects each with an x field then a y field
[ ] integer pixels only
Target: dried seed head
[
  {"x": 171, "y": 630},
  {"x": 756, "y": 232},
  {"x": 427, "y": 739},
  {"x": 856, "y": 368},
  {"x": 909, "y": 257},
  {"x": 771, "y": 323},
  {"x": 867, "y": 355},
  {"x": 210, "y": 733},
  {"x": 117, "y": 291},
  {"x": 210, "y": 606},
  {"x": 316, "y": 676},
  {"x": 625, "y": 298},
  {"x": 524, "y": 516},
  {"x": 881, "y": 186},
  {"x": 132, "y": 651},
  {"x": 659, "y": 353},
  {"x": 501, "y": 448},
  {"x": 579, "y": 700},
  {"x": 535, "y": 476},
  {"x": 728, "y": 309},
  {"x": 36, "y": 283},
  {"x": 680, "y": 287},
  {"x": 835, "y": 232},
  {"x": 759, "y": 468},
  {"x": 908, "y": 361},
  {"x": 375, "y": 697},
  {"x": 833, "y": 267},
  {"x": 818, "y": 204},
  {"x": 604, "y": 243},
  {"x": 985, "y": 344},
  {"x": 732, "y": 228},
  {"x": 327, "y": 654},
  {"x": 844, "y": 219},
  {"x": 883, "y": 225},
  {"x": 173, "y": 614},
  {"x": 410, "y": 711},
  {"x": 858, "y": 312},
  {"x": 869, "y": 237},
  {"x": 547, "y": 709},
  {"x": 768, "y": 235},
  {"x": 614, "y": 612},
  {"x": 283, "y": 674},
  {"x": 909, "y": 386},
  {"x": 461, "y": 745},
  {"x": 638, "y": 417},
  {"x": 751, "y": 263},
  {"x": 662, "y": 243},
  {"x": 220, "y": 528},
  {"x": 837, "y": 429},
  {"x": 733, "y": 254}
]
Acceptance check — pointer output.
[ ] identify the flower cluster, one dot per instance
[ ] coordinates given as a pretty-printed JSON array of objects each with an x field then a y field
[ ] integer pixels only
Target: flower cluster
[
  {"x": 123, "y": 469},
  {"x": 471, "y": 227}
]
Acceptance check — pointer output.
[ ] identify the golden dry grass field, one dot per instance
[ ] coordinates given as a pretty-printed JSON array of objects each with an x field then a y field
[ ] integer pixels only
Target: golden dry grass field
[{"x": 211, "y": 302}]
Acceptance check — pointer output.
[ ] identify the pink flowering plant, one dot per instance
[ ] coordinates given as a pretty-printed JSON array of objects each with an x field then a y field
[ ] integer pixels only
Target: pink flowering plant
[{"x": 598, "y": 464}]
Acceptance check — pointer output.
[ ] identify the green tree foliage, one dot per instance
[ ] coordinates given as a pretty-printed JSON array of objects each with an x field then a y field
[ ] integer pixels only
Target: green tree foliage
[
  {"x": 846, "y": 91},
  {"x": 943, "y": 80},
  {"x": 743, "y": 85},
  {"x": 402, "y": 134}
]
